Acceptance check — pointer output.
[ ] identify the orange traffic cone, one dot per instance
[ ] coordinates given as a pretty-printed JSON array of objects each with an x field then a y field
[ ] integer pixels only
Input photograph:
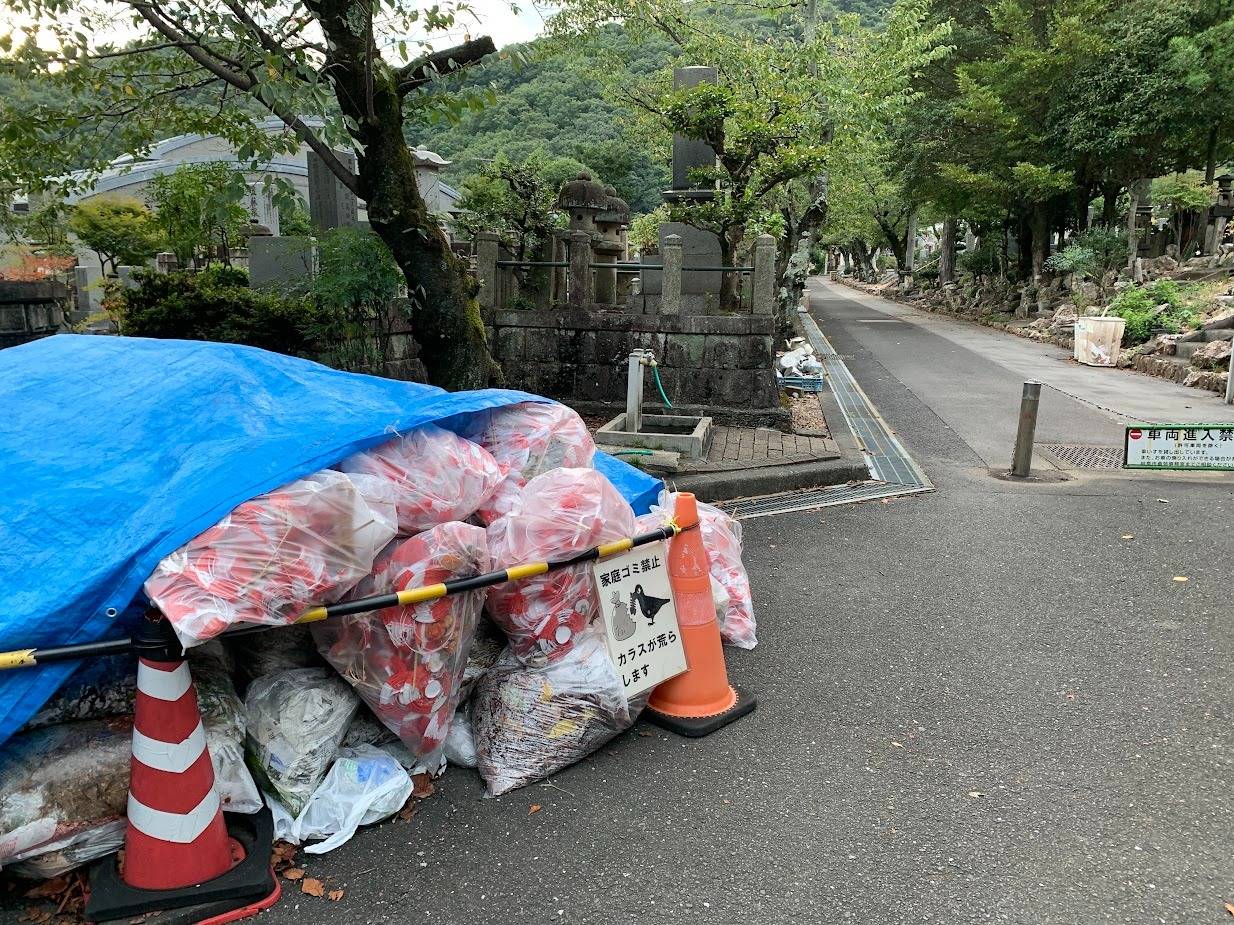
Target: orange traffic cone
[
  {"x": 701, "y": 700},
  {"x": 180, "y": 853}
]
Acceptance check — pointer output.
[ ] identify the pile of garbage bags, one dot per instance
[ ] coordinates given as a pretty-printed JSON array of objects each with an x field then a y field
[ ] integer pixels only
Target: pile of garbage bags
[{"x": 327, "y": 722}]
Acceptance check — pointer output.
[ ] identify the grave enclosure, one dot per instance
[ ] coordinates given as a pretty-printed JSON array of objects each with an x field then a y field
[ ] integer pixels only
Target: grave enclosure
[{"x": 563, "y": 323}]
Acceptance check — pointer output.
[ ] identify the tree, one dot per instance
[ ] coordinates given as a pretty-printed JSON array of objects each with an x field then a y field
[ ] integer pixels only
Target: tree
[
  {"x": 764, "y": 117},
  {"x": 1182, "y": 197},
  {"x": 517, "y": 200},
  {"x": 200, "y": 209},
  {"x": 119, "y": 231},
  {"x": 218, "y": 68}
]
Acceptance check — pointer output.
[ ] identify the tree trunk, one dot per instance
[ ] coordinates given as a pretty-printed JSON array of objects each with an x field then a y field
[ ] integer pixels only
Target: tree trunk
[
  {"x": 1109, "y": 203},
  {"x": 1132, "y": 244},
  {"x": 1040, "y": 228},
  {"x": 910, "y": 243},
  {"x": 1084, "y": 195},
  {"x": 445, "y": 316},
  {"x": 730, "y": 298},
  {"x": 946, "y": 257},
  {"x": 1210, "y": 157}
]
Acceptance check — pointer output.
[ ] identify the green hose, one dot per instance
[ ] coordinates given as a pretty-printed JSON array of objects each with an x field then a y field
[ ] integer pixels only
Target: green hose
[
  {"x": 630, "y": 452},
  {"x": 655, "y": 371}
]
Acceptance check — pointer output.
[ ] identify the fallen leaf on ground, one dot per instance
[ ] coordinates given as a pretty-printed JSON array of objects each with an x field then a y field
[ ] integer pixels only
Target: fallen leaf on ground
[
  {"x": 312, "y": 887},
  {"x": 896, "y": 745},
  {"x": 975, "y": 794},
  {"x": 1181, "y": 578},
  {"x": 1129, "y": 536},
  {"x": 48, "y": 888},
  {"x": 645, "y": 735},
  {"x": 335, "y": 895},
  {"x": 1164, "y": 500},
  {"x": 283, "y": 854},
  {"x": 421, "y": 786},
  {"x": 408, "y": 810},
  {"x": 1229, "y": 907},
  {"x": 535, "y": 808},
  {"x": 294, "y": 873}
]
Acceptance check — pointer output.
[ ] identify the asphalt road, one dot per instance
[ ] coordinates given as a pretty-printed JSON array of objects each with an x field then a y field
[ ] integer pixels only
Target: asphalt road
[{"x": 977, "y": 705}]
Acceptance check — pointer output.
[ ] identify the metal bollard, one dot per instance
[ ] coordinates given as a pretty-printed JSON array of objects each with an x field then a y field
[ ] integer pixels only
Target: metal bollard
[{"x": 1022, "y": 458}]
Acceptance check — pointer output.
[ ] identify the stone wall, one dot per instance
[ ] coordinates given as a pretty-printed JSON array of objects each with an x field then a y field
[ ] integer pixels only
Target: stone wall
[
  {"x": 720, "y": 361},
  {"x": 30, "y": 310}
]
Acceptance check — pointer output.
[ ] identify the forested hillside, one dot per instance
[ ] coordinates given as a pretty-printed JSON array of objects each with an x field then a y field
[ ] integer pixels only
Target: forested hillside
[{"x": 553, "y": 102}]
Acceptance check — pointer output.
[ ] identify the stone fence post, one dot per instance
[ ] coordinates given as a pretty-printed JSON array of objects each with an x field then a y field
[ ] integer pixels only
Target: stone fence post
[
  {"x": 670, "y": 291},
  {"x": 487, "y": 248},
  {"x": 763, "y": 299},
  {"x": 580, "y": 287}
]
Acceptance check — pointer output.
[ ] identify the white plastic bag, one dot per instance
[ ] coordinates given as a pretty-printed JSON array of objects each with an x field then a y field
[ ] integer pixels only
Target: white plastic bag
[
  {"x": 365, "y": 785},
  {"x": 437, "y": 476},
  {"x": 460, "y": 747},
  {"x": 305, "y": 543},
  {"x": 222, "y": 717},
  {"x": 296, "y": 720}
]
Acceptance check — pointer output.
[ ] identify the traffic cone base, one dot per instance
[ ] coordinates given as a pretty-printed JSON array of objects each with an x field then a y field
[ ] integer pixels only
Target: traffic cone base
[
  {"x": 244, "y": 890},
  {"x": 695, "y": 727}
]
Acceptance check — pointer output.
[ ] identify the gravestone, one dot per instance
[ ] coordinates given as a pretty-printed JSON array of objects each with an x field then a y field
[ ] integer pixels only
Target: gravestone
[
  {"x": 700, "y": 290},
  {"x": 331, "y": 204},
  {"x": 280, "y": 263},
  {"x": 89, "y": 285},
  {"x": 261, "y": 207}
]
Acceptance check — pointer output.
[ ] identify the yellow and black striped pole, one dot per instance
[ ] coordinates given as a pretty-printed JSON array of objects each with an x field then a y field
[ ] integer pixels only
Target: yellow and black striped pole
[{"x": 28, "y": 658}]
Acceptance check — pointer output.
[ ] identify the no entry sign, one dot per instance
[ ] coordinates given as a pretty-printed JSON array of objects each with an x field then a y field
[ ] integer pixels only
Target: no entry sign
[{"x": 1179, "y": 446}]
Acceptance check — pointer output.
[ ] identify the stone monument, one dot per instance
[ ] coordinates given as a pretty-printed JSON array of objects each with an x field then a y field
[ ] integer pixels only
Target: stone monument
[{"x": 331, "y": 204}]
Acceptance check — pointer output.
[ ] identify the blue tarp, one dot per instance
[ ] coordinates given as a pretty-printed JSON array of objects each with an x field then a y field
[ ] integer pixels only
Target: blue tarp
[{"x": 115, "y": 451}]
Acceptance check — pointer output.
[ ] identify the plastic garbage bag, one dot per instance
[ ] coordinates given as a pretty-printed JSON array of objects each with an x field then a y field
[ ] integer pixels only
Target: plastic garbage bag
[
  {"x": 437, "y": 476},
  {"x": 305, "y": 543},
  {"x": 486, "y": 647},
  {"x": 100, "y": 688},
  {"x": 460, "y": 747},
  {"x": 407, "y": 663},
  {"x": 730, "y": 585},
  {"x": 366, "y": 729},
  {"x": 364, "y": 785},
  {"x": 296, "y": 720},
  {"x": 222, "y": 717},
  {"x": 63, "y": 794},
  {"x": 530, "y": 722},
  {"x": 278, "y": 649},
  {"x": 561, "y": 512},
  {"x": 527, "y": 440}
]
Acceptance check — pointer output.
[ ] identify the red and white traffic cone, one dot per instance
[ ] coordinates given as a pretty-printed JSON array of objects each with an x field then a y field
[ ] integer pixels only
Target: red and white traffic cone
[
  {"x": 180, "y": 852},
  {"x": 176, "y": 833}
]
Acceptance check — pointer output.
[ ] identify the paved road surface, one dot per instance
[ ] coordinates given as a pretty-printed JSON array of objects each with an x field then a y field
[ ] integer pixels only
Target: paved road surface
[{"x": 978, "y": 705}]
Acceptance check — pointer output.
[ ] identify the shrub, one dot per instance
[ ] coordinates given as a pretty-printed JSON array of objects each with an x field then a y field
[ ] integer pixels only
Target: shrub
[
  {"x": 981, "y": 261},
  {"x": 1137, "y": 305},
  {"x": 1091, "y": 253},
  {"x": 217, "y": 305}
]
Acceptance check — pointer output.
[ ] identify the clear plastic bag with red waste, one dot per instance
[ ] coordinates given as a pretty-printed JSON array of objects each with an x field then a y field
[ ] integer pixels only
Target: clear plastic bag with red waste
[
  {"x": 730, "y": 585},
  {"x": 437, "y": 476},
  {"x": 561, "y": 512},
  {"x": 529, "y": 723},
  {"x": 527, "y": 440},
  {"x": 305, "y": 543},
  {"x": 407, "y": 663}
]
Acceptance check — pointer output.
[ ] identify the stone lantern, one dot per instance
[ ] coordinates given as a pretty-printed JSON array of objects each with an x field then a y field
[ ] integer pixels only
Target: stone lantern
[
  {"x": 582, "y": 199},
  {"x": 610, "y": 245}
]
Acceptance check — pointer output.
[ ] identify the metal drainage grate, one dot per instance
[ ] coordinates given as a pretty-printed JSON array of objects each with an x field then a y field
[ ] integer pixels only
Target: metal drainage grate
[{"x": 1081, "y": 456}]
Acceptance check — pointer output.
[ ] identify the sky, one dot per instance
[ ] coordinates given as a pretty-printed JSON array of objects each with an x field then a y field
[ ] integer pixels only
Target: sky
[{"x": 487, "y": 17}]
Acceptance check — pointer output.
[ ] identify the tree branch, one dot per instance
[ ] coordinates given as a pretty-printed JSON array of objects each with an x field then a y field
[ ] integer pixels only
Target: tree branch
[
  {"x": 419, "y": 72},
  {"x": 245, "y": 82}
]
